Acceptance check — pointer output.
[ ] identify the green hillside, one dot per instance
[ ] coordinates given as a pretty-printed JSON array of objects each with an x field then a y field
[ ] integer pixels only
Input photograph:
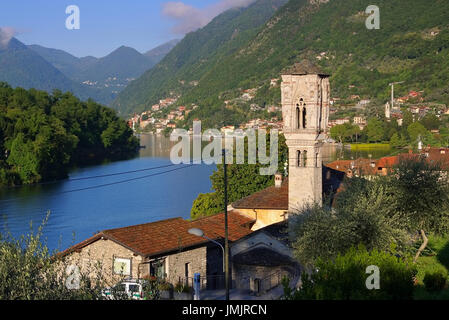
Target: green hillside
[
  {"x": 21, "y": 66},
  {"x": 412, "y": 45},
  {"x": 195, "y": 55}
]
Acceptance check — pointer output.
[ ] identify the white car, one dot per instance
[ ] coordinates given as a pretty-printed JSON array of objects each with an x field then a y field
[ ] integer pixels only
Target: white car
[{"x": 129, "y": 289}]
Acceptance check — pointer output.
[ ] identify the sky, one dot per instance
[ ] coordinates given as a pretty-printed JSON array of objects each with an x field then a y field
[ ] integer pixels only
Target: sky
[{"x": 106, "y": 25}]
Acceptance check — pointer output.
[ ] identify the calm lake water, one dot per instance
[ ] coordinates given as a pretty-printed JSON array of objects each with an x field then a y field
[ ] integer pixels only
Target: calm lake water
[{"x": 77, "y": 215}]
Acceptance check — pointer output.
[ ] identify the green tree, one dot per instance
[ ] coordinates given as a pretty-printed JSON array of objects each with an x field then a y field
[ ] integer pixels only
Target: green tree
[
  {"x": 416, "y": 131},
  {"x": 420, "y": 197},
  {"x": 243, "y": 180},
  {"x": 361, "y": 215},
  {"x": 375, "y": 130},
  {"x": 397, "y": 141}
]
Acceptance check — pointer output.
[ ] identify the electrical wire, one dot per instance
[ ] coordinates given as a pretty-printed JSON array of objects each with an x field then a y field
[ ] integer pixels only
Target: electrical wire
[
  {"x": 91, "y": 177},
  {"x": 105, "y": 185}
]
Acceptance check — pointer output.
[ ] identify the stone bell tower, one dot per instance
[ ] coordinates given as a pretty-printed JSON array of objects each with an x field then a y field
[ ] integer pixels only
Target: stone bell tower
[{"x": 305, "y": 108}]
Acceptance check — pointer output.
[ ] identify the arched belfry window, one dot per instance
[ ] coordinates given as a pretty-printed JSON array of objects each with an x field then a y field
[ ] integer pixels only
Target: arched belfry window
[
  {"x": 298, "y": 159},
  {"x": 298, "y": 117},
  {"x": 300, "y": 114},
  {"x": 304, "y": 157},
  {"x": 304, "y": 117}
]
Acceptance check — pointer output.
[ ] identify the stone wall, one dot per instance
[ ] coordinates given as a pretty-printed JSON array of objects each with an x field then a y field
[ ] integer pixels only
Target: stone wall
[
  {"x": 99, "y": 257},
  {"x": 176, "y": 264}
]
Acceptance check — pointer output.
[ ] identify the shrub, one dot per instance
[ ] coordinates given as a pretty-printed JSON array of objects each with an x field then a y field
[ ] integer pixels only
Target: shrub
[
  {"x": 182, "y": 288},
  {"x": 435, "y": 281},
  {"x": 344, "y": 278},
  {"x": 29, "y": 272}
]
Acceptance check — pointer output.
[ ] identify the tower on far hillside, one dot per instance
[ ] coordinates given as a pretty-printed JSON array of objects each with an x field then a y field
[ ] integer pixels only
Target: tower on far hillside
[
  {"x": 305, "y": 108},
  {"x": 387, "y": 110}
]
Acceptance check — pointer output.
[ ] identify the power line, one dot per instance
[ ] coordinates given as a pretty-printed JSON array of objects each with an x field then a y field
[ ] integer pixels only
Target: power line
[
  {"x": 107, "y": 184},
  {"x": 92, "y": 177}
]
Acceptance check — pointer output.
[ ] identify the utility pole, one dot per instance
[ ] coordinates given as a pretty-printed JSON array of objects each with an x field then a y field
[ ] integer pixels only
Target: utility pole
[
  {"x": 392, "y": 92},
  {"x": 227, "y": 277}
]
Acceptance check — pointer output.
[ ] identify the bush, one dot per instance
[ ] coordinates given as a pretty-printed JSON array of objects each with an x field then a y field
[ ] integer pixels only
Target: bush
[
  {"x": 29, "y": 272},
  {"x": 435, "y": 281},
  {"x": 182, "y": 288},
  {"x": 344, "y": 278}
]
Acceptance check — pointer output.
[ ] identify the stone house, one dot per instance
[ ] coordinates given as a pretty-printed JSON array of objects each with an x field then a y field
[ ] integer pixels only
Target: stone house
[
  {"x": 162, "y": 249},
  {"x": 261, "y": 259}
]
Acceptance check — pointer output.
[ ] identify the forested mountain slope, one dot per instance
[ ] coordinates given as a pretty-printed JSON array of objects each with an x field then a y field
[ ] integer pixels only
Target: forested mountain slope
[
  {"x": 412, "y": 45},
  {"x": 196, "y": 55}
]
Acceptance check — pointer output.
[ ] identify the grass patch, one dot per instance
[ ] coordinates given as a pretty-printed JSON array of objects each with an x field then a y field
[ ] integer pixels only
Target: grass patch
[
  {"x": 369, "y": 146},
  {"x": 435, "y": 259}
]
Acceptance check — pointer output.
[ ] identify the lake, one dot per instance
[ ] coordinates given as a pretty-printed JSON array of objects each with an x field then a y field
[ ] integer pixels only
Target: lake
[{"x": 78, "y": 209}]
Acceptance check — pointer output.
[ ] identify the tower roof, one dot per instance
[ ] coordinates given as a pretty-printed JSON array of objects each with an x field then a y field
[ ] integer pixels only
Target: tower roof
[{"x": 303, "y": 68}]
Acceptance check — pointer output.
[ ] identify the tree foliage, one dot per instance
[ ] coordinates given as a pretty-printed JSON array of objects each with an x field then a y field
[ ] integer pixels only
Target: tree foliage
[
  {"x": 345, "y": 277},
  {"x": 243, "y": 180},
  {"x": 42, "y": 135}
]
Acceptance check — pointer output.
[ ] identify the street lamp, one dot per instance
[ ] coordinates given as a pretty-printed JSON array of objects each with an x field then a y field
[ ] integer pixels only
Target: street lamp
[{"x": 200, "y": 233}]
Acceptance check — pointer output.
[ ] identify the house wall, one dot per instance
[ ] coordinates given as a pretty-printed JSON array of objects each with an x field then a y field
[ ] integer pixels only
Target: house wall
[
  {"x": 175, "y": 264},
  {"x": 264, "y": 218},
  {"x": 103, "y": 252},
  {"x": 242, "y": 275}
]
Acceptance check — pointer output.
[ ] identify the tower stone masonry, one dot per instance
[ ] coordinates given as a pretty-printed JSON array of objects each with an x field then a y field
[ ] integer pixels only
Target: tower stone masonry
[{"x": 305, "y": 107}]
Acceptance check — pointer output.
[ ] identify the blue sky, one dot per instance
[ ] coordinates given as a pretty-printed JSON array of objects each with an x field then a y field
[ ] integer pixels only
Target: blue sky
[{"x": 107, "y": 24}]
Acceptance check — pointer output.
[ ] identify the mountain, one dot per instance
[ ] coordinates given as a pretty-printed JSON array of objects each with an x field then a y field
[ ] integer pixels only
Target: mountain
[
  {"x": 158, "y": 53},
  {"x": 412, "y": 45},
  {"x": 107, "y": 75},
  {"x": 22, "y": 67},
  {"x": 123, "y": 63},
  {"x": 68, "y": 64},
  {"x": 196, "y": 54}
]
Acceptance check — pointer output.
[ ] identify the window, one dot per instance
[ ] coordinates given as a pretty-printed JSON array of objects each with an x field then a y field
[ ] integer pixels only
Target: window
[
  {"x": 298, "y": 117},
  {"x": 134, "y": 288},
  {"x": 305, "y": 159},
  {"x": 122, "y": 266},
  {"x": 298, "y": 164},
  {"x": 157, "y": 269},
  {"x": 120, "y": 288},
  {"x": 304, "y": 117}
]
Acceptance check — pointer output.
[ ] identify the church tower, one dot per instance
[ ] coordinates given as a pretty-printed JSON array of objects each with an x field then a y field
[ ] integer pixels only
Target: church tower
[
  {"x": 305, "y": 108},
  {"x": 387, "y": 111}
]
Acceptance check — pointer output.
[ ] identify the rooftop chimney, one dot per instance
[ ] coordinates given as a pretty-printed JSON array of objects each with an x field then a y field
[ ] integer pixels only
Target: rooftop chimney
[{"x": 278, "y": 180}]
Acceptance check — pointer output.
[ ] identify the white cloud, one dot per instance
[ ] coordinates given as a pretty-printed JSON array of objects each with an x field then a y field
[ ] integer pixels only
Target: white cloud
[
  {"x": 6, "y": 34},
  {"x": 189, "y": 18}
]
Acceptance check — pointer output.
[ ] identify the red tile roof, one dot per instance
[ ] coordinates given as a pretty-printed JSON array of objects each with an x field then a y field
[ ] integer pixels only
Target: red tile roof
[
  {"x": 271, "y": 198},
  {"x": 171, "y": 235},
  {"x": 387, "y": 162},
  {"x": 359, "y": 166}
]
